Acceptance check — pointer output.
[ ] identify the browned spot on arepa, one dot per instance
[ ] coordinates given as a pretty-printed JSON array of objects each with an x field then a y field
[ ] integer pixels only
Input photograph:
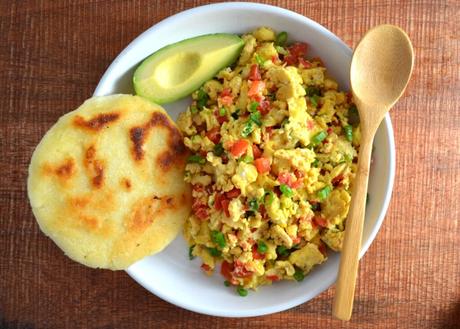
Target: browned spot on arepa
[
  {"x": 63, "y": 171},
  {"x": 94, "y": 167},
  {"x": 96, "y": 123}
]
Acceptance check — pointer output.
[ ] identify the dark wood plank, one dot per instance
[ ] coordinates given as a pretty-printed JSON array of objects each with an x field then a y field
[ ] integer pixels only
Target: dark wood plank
[{"x": 52, "y": 55}]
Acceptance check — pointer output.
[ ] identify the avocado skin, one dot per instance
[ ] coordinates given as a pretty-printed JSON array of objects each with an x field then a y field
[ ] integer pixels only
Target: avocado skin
[{"x": 148, "y": 88}]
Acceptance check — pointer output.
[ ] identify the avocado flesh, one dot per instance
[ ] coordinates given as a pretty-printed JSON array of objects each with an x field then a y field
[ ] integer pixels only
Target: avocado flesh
[{"x": 179, "y": 69}]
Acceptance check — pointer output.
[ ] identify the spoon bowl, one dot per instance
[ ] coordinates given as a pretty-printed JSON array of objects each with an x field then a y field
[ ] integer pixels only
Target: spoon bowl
[{"x": 380, "y": 70}]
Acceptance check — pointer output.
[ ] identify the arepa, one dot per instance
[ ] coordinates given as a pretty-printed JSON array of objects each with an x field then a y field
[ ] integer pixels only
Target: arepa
[{"x": 106, "y": 181}]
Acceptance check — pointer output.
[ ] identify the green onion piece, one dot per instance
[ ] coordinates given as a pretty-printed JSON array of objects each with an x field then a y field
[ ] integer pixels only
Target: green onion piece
[
  {"x": 324, "y": 192},
  {"x": 214, "y": 252},
  {"x": 196, "y": 159},
  {"x": 261, "y": 247},
  {"x": 253, "y": 205},
  {"x": 253, "y": 106},
  {"x": 247, "y": 130},
  {"x": 281, "y": 50},
  {"x": 284, "y": 122},
  {"x": 218, "y": 238},
  {"x": 247, "y": 159},
  {"x": 236, "y": 114},
  {"x": 202, "y": 99},
  {"x": 318, "y": 138},
  {"x": 259, "y": 59},
  {"x": 286, "y": 190},
  {"x": 193, "y": 109},
  {"x": 314, "y": 100},
  {"x": 242, "y": 292},
  {"x": 226, "y": 283},
  {"x": 315, "y": 163},
  {"x": 353, "y": 116},
  {"x": 281, "y": 38},
  {"x": 282, "y": 251},
  {"x": 218, "y": 149},
  {"x": 271, "y": 197},
  {"x": 348, "y": 132},
  {"x": 222, "y": 112},
  {"x": 255, "y": 117},
  {"x": 190, "y": 252},
  {"x": 298, "y": 275},
  {"x": 312, "y": 91}
]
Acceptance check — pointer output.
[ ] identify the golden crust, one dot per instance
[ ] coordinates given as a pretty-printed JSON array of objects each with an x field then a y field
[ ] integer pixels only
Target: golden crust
[{"x": 106, "y": 181}]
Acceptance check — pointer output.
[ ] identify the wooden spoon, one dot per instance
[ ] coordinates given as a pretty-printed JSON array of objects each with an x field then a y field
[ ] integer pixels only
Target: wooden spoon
[{"x": 380, "y": 70}]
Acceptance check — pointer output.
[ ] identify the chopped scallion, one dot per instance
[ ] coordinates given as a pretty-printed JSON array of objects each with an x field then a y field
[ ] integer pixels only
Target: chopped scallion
[
  {"x": 190, "y": 252},
  {"x": 348, "y": 130},
  {"x": 318, "y": 138},
  {"x": 214, "y": 252},
  {"x": 324, "y": 192},
  {"x": 196, "y": 159},
  {"x": 281, "y": 38},
  {"x": 253, "y": 106},
  {"x": 255, "y": 117},
  {"x": 218, "y": 238},
  {"x": 253, "y": 205},
  {"x": 218, "y": 149},
  {"x": 286, "y": 190},
  {"x": 222, "y": 112},
  {"x": 298, "y": 275},
  {"x": 247, "y": 130},
  {"x": 261, "y": 247}
]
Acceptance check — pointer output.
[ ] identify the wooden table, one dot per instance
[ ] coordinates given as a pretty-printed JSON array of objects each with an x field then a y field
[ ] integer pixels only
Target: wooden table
[{"x": 52, "y": 55}]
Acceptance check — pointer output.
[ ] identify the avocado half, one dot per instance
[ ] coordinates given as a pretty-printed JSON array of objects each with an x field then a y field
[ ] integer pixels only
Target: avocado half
[{"x": 179, "y": 69}]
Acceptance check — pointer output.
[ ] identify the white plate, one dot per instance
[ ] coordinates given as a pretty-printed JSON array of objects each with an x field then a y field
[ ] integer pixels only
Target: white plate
[{"x": 169, "y": 274}]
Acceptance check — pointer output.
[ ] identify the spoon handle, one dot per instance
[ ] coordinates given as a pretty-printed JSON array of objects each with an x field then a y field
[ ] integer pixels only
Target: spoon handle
[{"x": 345, "y": 286}]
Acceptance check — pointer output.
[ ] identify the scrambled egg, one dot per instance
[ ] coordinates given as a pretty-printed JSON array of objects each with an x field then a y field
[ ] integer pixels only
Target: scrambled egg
[{"x": 274, "y": 146}]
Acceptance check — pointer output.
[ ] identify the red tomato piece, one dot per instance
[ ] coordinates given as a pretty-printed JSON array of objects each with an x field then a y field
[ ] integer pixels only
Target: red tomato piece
[
  {"x": 214, "y": 135},
  {"x": 298, "y": 49},
  {"x": 306, "y": 64},
  {"x": 234, "y": 193},
  {"x": 226, "y": 270},
  {"x": 337, "y": 180},
  {"x": 240, "y": 270},
  {"x": 226, "y": 100},
  {"x": 256, "y": 152},
  {"x": 239, "y": 147},
  {"x": 256, "y": 88},
  {"x": 322, "y": 249},
  {"x": 273, "y": 277},
  {"x": 264, "y": 107},
  {"x": 254, "y": 73},
  {"x": 320, "y": 221},
  {"x": 218, "y": 201},
  {"x": 310, "y": 124},
  {"x": 285, "y": 178},
  {"x": 256, "y": 254},
  {"x": 225, "y": 204},
  {"x": 262, "y": 165},
  {"x": 226, "y": 92},
  {"x": 202, "y": 213},
  {"x": 220, "y": 118},
  {"x": 206, "y": 267}
]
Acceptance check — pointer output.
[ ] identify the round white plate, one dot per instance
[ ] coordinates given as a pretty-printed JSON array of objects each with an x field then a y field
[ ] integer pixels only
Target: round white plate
[{"x": 170, "y": 275}]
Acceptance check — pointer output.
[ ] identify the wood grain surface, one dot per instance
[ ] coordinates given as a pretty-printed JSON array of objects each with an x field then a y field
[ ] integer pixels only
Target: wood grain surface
[{"x": 52, "y": 54}]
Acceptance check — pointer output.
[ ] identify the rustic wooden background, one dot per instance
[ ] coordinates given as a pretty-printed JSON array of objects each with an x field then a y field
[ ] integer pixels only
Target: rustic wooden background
[{"x": 52, "y": 54}]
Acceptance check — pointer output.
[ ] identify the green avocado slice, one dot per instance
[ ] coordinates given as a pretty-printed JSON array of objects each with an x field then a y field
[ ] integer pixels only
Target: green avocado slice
[{"x": 179, "y": 69}]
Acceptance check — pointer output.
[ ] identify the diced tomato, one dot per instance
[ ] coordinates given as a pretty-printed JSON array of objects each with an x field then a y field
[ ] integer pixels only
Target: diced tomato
[
  {"x": 220, "y": 118},
  {"x": 197, "y": 188},
  {"x": 264, "y": 107},
  {"x": 285, "y": 178},
  {"x": 226, "y": 270},
  {"x": 218, "y": 201},
  {"x": 298, "y": 173},
  {"x": 296, "y": 240},
  {"x": 254, "y": 73},
  {"x": 239, "y": 147},
  {"x": 296, "y": 184},
  {"x": 225, "y": 203},
  {"x": 256, "y": 254},
  {"x": 337, "y": 180},
  {"x": 320, "y": 221},
  {"x": 274, "y": 59},
  {"x": 262, "y": 211},
  {"x": 256, "y": 152},
  {"x": 226, "y": 100},
  {"x": 262, "y": 165},
  {"x": 298, "y": 49},
  {"x": 240, "y": 270},
  {"x": 257, "y": 87},
  {"x": 214, "y": 135},
  {"x": 226, "y": 92},
  {"x": 273, "y": 277},
  {"x": 329, "y": 130},
  {"x": 206, "y": 267},
  {"x": 290, "y": 60},
  {"x": 306, "y": 64},
  {"x": 310, "y": 124},
  {"x": 234, "y": 193},
  {"x": 202, "y": 213}
]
